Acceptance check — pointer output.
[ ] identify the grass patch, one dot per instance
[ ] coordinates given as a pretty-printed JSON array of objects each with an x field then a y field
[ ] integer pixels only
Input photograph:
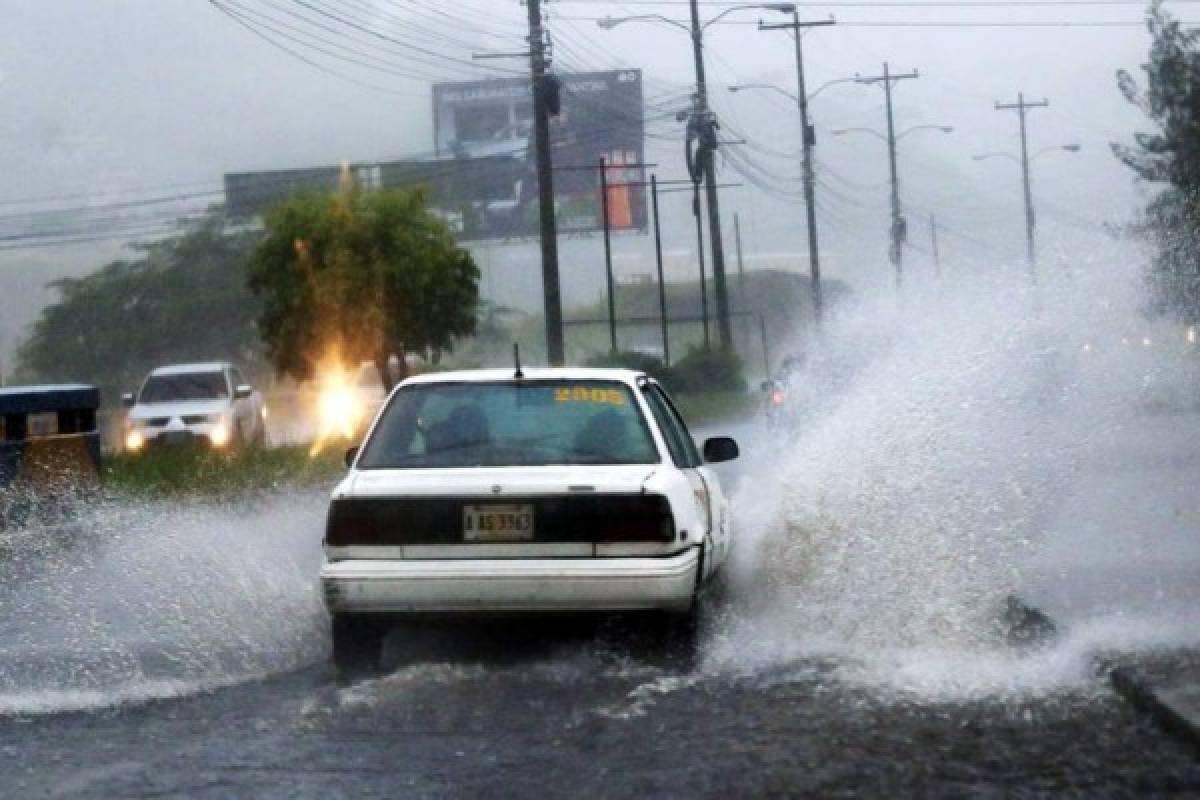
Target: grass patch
[
  {"x": 201, "y": 471},
  {"x": 703, "y": 407}
]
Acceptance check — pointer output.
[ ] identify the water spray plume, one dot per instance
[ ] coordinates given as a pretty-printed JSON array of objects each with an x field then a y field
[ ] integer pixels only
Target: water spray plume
[{"x": 928, "y": 466}]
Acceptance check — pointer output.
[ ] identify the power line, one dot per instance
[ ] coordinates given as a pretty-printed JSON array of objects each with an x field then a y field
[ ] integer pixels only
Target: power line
[
  {"x": 241, "y": 20},
  {"x": 359, "y": 57},
  {"x": 897, "y": 4},
  {"x": 955, "y": 24},
  {"x": 352, "y": 23}
]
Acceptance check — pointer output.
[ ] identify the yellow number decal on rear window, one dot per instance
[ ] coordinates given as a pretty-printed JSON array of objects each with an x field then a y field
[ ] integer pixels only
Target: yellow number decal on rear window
[{"x": 590, "y": 394}]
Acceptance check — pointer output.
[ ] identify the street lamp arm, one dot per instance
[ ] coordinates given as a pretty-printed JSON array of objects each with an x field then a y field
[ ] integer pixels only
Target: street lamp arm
[
  {"x": 783, "y": 8},
  {"x": 827, "y": 84},
  {"x": 737, "y": 87},
  {"x": 984, "y": 156},
  {"x": 942, "y": 128},
  {"x": 1070, "y": 148},
  {"x": 842, "y": 131},
  {"x": 612, "y": 22}
]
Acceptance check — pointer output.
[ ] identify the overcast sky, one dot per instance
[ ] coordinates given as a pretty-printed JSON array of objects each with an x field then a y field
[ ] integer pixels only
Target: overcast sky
[{"x": 100, "y": 97}]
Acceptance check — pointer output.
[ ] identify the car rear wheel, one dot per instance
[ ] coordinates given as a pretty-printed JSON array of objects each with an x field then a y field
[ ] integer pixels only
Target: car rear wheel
[{"x": 357, "y": 642}]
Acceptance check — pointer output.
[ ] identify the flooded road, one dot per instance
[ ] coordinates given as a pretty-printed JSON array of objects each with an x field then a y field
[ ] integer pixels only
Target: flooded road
[
  {"x": 571, "y": 725},
  {"x": 863, "y": 647}
]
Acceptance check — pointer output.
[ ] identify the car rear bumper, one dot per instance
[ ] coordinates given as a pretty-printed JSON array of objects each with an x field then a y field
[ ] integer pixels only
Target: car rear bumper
[{"x": 504, "y": 585}]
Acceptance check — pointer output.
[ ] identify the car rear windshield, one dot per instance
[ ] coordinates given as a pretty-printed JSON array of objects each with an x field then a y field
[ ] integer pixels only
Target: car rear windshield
[
  {"x": 532, "y": 423},
  {"x": 184, "y": 386}
]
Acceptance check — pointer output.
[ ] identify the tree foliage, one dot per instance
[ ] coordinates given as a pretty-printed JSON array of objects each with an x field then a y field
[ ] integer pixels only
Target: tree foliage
[
  {"x": 1170, "y": 98},
  {"x": 183, "y": 299},
  {"x": 360, "y": 276}
]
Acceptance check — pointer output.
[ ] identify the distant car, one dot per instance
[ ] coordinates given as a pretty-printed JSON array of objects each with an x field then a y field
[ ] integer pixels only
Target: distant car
[
  {"x": 552, "y": 490},
  {"x": 208, "y": 403}
]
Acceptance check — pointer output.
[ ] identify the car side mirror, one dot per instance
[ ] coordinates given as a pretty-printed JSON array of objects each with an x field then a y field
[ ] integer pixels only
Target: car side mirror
[
  {"x": 243, "y": 391},
  {"x": 351, "y": 454},
  {"x": 720, "y": 448},
  {"x": 127, "y": 400}
]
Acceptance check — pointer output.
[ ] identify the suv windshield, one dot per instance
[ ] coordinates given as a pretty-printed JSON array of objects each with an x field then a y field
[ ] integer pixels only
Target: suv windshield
[
  {"x": 186, "y": 386},
  {"x": 533, "y": 423}
]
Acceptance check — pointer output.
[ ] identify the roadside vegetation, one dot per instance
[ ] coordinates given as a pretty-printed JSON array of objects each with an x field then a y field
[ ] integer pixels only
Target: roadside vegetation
[
  {"x": 206, "y": 473},
  {"x": 359, "y": 276},
  {"x": 1168, "y": 160}
]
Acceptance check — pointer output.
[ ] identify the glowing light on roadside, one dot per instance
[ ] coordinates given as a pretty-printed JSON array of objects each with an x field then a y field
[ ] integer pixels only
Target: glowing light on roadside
[
  {"x": 1146, "y": 341},
  {"x": 134, "y": 441},
  {"x": 1087, "y": 347},
  {"x": 219, "y": 435},
  {"x": 339, "y": 411},
  {"x": 339, "y": 407},
  {"x": 264, "y": 413},
  {"x": 1191, "y": 334}
]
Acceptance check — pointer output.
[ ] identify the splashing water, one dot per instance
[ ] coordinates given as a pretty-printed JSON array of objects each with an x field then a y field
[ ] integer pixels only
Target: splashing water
[
  {"x": 133, "y": 602},
  {"x": 937, "y": 440}
]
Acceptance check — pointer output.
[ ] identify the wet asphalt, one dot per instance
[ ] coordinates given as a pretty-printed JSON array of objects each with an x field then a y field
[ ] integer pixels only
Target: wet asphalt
[
  {"x": 570, "y": 721},
  {"x": 593, "y": 708}
]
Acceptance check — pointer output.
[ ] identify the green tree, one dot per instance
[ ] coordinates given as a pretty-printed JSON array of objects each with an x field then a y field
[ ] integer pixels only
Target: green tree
[
  {"x": 1170, "y": 157},
  {"x": 183, "y": 299},
  {"x": 360, "y": 276}
]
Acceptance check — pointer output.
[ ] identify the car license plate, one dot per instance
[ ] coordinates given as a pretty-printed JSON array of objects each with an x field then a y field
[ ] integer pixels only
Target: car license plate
[{"x": 498, "y": 523}]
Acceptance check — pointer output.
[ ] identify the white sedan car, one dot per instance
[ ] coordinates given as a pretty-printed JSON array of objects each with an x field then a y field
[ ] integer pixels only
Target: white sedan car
[
  {"x": 551, "y": 490},
  {"x": 209, "y": 403}
]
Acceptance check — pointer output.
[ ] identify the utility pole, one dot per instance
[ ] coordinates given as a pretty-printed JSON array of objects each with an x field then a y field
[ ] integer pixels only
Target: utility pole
[
  {"x": 700, "y": 259},
  {"x": 1021, "y": 107},
  {"x": 662, "y": 285},
  {"x": 552, "y": 294},
  {"x": 808, "y": 138},
  {"x": 737, "y": 240},
  {"x": 608, "y": 271},
  {"x": 705, "y": 128},
  {"x": 899, "y": 227},
  {"x": 937, "y": 259}
]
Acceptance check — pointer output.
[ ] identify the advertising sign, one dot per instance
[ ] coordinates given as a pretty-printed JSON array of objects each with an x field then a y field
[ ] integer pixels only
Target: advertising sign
[
  {"x": 483, "y": 179},
  {"x": 483, "y": 130}
]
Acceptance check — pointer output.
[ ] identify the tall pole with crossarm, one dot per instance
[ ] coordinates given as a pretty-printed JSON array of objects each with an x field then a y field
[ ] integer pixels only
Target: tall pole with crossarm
[
  {"x": 808, "y": 139},
  {"x": 899, "y": 228},
  {"x": 1021, "y": 107}
]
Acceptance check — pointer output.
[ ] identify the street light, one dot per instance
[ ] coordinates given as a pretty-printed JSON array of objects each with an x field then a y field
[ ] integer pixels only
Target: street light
[
  {"x": 899, "y": 228},
  {"x": 899, "y": 136},
  {"x": 610, "y": 22},
  {"x": 737, "y": 87},
  {"x": 1030, "y": 220},
  {"x": 1070, "y": 148},
  {"x": 702, "y": 128}
]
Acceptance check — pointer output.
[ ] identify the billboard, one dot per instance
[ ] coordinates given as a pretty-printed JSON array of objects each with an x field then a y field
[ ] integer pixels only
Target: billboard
[
  {"x": 492, "y": 120},
  {"x": 482, "y": 178},
  {"x": 249, "y": 194}
]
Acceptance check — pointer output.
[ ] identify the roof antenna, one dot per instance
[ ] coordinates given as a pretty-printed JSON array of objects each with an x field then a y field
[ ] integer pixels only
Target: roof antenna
[{"x": 517, "y": 361}]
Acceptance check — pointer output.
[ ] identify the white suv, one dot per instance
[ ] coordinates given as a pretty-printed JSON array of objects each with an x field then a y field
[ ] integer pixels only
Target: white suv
[
  {"x": 210, "y": 403},
  {"x": 546, "y": 490}
]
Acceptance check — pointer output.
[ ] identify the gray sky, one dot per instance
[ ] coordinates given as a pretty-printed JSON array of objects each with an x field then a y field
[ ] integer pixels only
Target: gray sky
[{"x": 98, "y": 97}]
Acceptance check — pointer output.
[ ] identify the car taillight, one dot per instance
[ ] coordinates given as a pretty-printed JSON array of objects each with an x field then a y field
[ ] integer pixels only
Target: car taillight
[
  {"x": 647, "y": 528},
  {"x": 777, "y": 397},
  {"x": 354, "y": 522},
  {"x": 387, "y": 521}
]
